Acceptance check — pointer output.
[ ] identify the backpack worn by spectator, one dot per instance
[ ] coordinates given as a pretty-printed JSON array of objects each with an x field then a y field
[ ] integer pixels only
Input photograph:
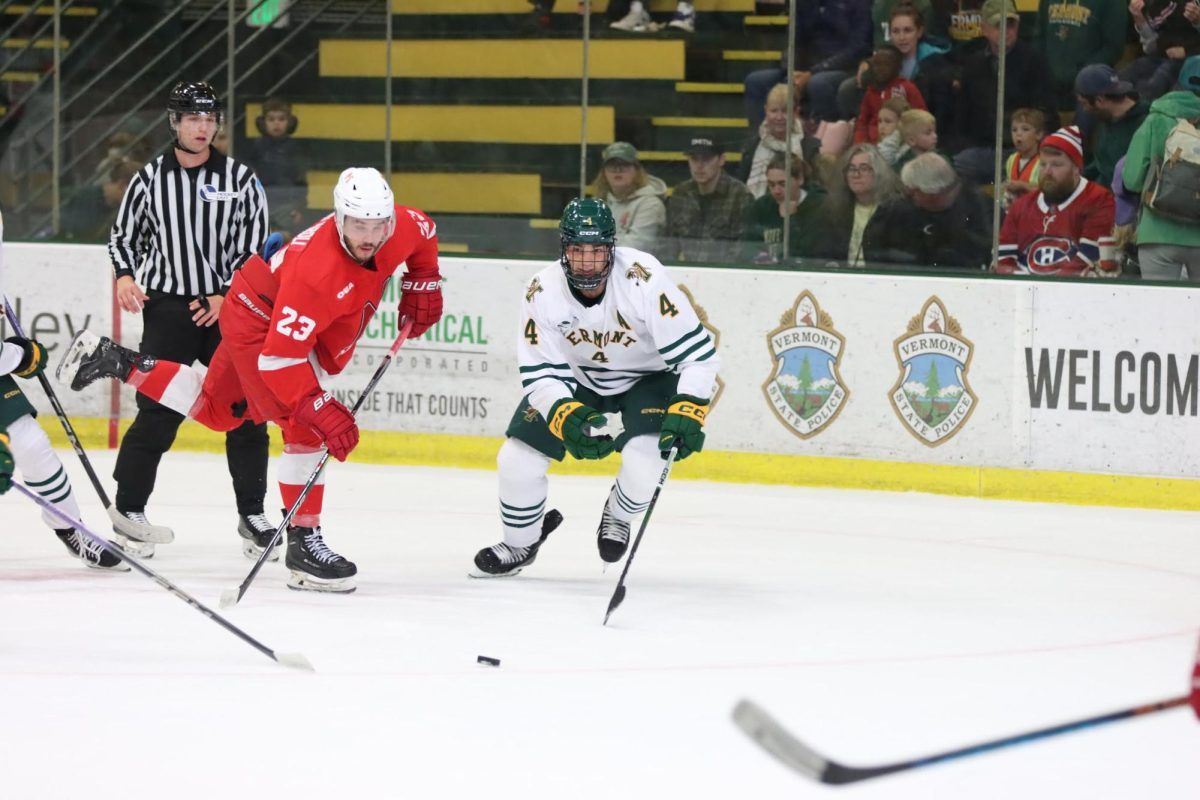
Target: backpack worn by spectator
[{"x": 1172, "y": 191}]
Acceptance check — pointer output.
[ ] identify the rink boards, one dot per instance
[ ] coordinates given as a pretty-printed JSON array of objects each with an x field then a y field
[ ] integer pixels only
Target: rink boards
[{"x": 1082, "y": 391}]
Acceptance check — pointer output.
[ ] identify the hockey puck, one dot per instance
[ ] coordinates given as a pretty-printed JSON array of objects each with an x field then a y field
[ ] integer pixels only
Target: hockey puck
[{"x": 488, "y": 661}]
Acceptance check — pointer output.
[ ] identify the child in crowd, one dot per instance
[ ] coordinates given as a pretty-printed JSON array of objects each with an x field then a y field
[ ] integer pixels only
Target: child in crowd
[
  {"x": 278, "y": 166},
  {"x": 918, "y": 130},
  {"x": 1023, "y": 167},
  {"x": 883, "y": 83},
  {"x": 891, "y": 146}
]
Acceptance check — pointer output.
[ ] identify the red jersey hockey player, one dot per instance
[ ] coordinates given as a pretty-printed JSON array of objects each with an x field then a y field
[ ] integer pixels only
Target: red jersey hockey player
[
  {"x": 1066, "y": 227},
  {"x": 284, "y": 326}
]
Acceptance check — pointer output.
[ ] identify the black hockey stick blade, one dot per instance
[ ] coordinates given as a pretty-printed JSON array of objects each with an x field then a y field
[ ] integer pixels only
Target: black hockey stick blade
[
  {"x": 618, "y": 595},
  {"x": 779, "y": 742},
  {"x": 292, "y": 660}
]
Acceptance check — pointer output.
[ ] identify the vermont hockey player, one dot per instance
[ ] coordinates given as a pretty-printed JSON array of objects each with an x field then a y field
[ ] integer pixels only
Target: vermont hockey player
[
  {"x": 604, "y": 330},
  {"x": 22, "y": 440},
  {"x": 288, "y": 324}
]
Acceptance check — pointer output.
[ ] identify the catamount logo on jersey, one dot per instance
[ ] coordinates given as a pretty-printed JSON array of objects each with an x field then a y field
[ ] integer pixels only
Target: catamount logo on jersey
[
  {"x": 702, "y": 315},
  {"x": 932, "y": 396},
  {"x": 805, "y": 389},
  {"x": 638, "y": 273},
  {"x": 535, "y": 286}
]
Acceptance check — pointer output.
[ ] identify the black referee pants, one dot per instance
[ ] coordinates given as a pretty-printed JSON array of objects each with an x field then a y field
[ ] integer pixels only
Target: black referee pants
[{"x": 169, "y": 333}]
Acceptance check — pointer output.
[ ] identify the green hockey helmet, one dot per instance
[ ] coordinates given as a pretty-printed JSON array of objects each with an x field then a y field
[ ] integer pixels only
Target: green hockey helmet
[{"x": 588, "y": 220}]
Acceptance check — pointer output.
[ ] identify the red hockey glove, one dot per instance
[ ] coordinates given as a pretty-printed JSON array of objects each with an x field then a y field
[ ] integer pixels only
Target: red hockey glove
[
  {"x": 1195, "y": 696},
  {"x": 421, "y": 302},
  {"x": 330, "y": 420}
]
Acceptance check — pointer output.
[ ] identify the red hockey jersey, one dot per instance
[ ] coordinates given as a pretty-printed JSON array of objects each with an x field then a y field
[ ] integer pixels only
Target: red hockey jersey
[
  {"x": 320, "y": 300},
  {"x": 1070, "y": 238},
  {"x": 866, "y": 126}
]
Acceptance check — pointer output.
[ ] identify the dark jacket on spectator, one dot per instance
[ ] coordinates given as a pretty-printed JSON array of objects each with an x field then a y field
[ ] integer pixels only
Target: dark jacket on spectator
[
  {"x": 707, "y": 227},
  {"x": 1075, "y": 34},
  {"x": 831, "y": 34},
  {"x": 1111, "y": 143},
  {"x": 1171, "y": 28},
  {"x": 1026, "y": 87},
  {"x": 958, "y": 238}
]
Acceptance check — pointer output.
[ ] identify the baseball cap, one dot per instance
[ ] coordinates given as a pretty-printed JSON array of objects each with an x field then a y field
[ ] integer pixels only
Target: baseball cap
[
  {"x": 1189, "y": 75},
  {"x": 620, "y": 151},
  {"x": 993, "y": 10},
  {"x": 1101, "y": 80},
  {"x": 703, "y": 146}
]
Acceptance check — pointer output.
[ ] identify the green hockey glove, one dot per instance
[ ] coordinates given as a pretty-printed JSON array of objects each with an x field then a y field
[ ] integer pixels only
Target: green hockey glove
[
  {"x": 567, "y": 420},
  {"x": 683, "y": 425}
]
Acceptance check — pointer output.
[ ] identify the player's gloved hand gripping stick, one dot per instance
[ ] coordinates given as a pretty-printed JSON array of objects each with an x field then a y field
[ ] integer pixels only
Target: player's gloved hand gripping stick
[
  {"x": 232, "y": 596},
  {"x": 570, "y": 421},
  {"x": 143, "y": 532}
]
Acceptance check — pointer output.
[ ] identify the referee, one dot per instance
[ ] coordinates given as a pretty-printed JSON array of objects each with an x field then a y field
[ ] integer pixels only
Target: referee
[{"x": 187, "y": 220}]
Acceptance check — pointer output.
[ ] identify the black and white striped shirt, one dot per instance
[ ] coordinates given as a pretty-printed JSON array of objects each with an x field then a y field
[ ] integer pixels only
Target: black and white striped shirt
[{"x": 182, "y": 231}]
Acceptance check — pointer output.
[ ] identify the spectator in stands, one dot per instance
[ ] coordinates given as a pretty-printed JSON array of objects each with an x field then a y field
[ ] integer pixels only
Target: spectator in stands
[
  {"x": 881, "y": 19},
  {"x": 922, "y": 61},
  {"x": 89, "y": 215},
  {"x": 277, "y": 164},
  {"x": 964, "y": 27},
  {"x": 1065, "y": 228},
  {"x": 1167, "y": 248},
  {"x": 706, "y": 214},
  {"x": 942, "y": 222},
  {"x": 1169, "y": 31},
  {"x": 891, "y": 144},
  {"x": 1125, "y": 224},
  {"x": 802, "y": 208},
  {"x": 634, "y": 196},
  {"x": 1026, "y": 86},
  {"x": 883, "y": 82},
  {"x": 769, "y": 141},
  {"x": 831, "y": 37},
  {"x": 864, "y": 182},
  {"x": 120, "y": 146},
  {"x": 632, "y": 16},
  {"x": 1073, "y": 35},
  {"x": 1116, "y": 113},
  {"x": 1022, "y": 170},
  {"x": 918, "y": 132}
]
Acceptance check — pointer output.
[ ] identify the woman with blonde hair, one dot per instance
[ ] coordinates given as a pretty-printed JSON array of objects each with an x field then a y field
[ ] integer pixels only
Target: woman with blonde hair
[
  {"x": 769, "y": 142},
  {"x": 862, "y": 182},
  {"x": 634, "y": 196}
]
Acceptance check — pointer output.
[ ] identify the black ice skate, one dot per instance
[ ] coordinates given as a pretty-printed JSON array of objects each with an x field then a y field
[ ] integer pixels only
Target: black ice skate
[
  {"x": 90, "y": 357},
  {"x": 314, "y": 566},
  {"x": 127, "y": 537},
  {"x": 502, "y": 560},
  {"x": 256, "y": 532},
  {"x": 90, "y": 553},
  {"x": 612, "y": 537}
]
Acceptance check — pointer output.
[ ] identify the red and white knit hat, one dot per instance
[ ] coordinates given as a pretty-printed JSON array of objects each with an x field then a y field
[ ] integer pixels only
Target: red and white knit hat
[{"x": 1069, "y": 141}]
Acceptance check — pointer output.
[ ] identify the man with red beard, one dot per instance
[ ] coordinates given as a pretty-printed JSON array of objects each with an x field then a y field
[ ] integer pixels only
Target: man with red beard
[{"x": 1066, "y": 227}]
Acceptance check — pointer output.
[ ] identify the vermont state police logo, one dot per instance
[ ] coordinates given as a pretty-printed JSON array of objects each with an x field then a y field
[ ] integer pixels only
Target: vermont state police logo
[
  {"x": 806, "y": 391},
  {"x": 932, "y": 397}
]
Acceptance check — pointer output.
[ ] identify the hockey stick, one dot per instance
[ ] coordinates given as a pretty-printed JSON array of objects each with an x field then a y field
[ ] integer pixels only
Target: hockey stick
[
  {"x": 143, "y": 533},
  {"x": 231, "y": 597},
  {"x": 618, "y": 595},
  {"x": 779, "y": 742},
  {"x": 294, "y": 660}
]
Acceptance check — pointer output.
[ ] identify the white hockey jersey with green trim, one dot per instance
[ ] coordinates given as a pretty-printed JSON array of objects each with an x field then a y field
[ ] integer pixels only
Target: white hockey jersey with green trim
[{"x": 643, "y": 324}]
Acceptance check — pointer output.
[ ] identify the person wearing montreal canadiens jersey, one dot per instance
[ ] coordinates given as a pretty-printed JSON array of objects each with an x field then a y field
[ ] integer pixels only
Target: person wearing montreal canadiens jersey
[
  {"x": 604, "y": 330},
  {"x": 1065, "y": 228},
  {"x": 287, "y": 325}
]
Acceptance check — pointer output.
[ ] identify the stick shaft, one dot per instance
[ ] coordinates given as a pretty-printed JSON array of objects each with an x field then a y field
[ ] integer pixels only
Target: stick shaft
[
  {"x": 316, "y": 473},
  {"x": 618, "y": 595},
  {"x": 149, "y": 573}
]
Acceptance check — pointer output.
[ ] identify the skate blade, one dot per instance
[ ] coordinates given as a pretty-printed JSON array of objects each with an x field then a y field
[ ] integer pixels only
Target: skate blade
[
  {"x": 303, "y": 582},
  {"x": 133, "y": 547},
  {"x": 252, "y": 551},
  {"x": 478, "y": 573},
  {"x": 151, "y": 534},
  {"x": 84, "y": 342}
]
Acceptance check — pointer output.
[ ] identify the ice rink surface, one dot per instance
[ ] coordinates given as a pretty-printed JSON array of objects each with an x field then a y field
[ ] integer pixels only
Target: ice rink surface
[{"x": 875, "y": 626}]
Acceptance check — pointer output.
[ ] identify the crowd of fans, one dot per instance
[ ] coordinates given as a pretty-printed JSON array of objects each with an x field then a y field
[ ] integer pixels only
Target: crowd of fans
[{"x": 892, "y": 152}]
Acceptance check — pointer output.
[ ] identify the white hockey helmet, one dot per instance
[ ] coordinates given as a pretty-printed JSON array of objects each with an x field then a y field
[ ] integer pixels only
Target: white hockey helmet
[{"x": 363, "y": 193}]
